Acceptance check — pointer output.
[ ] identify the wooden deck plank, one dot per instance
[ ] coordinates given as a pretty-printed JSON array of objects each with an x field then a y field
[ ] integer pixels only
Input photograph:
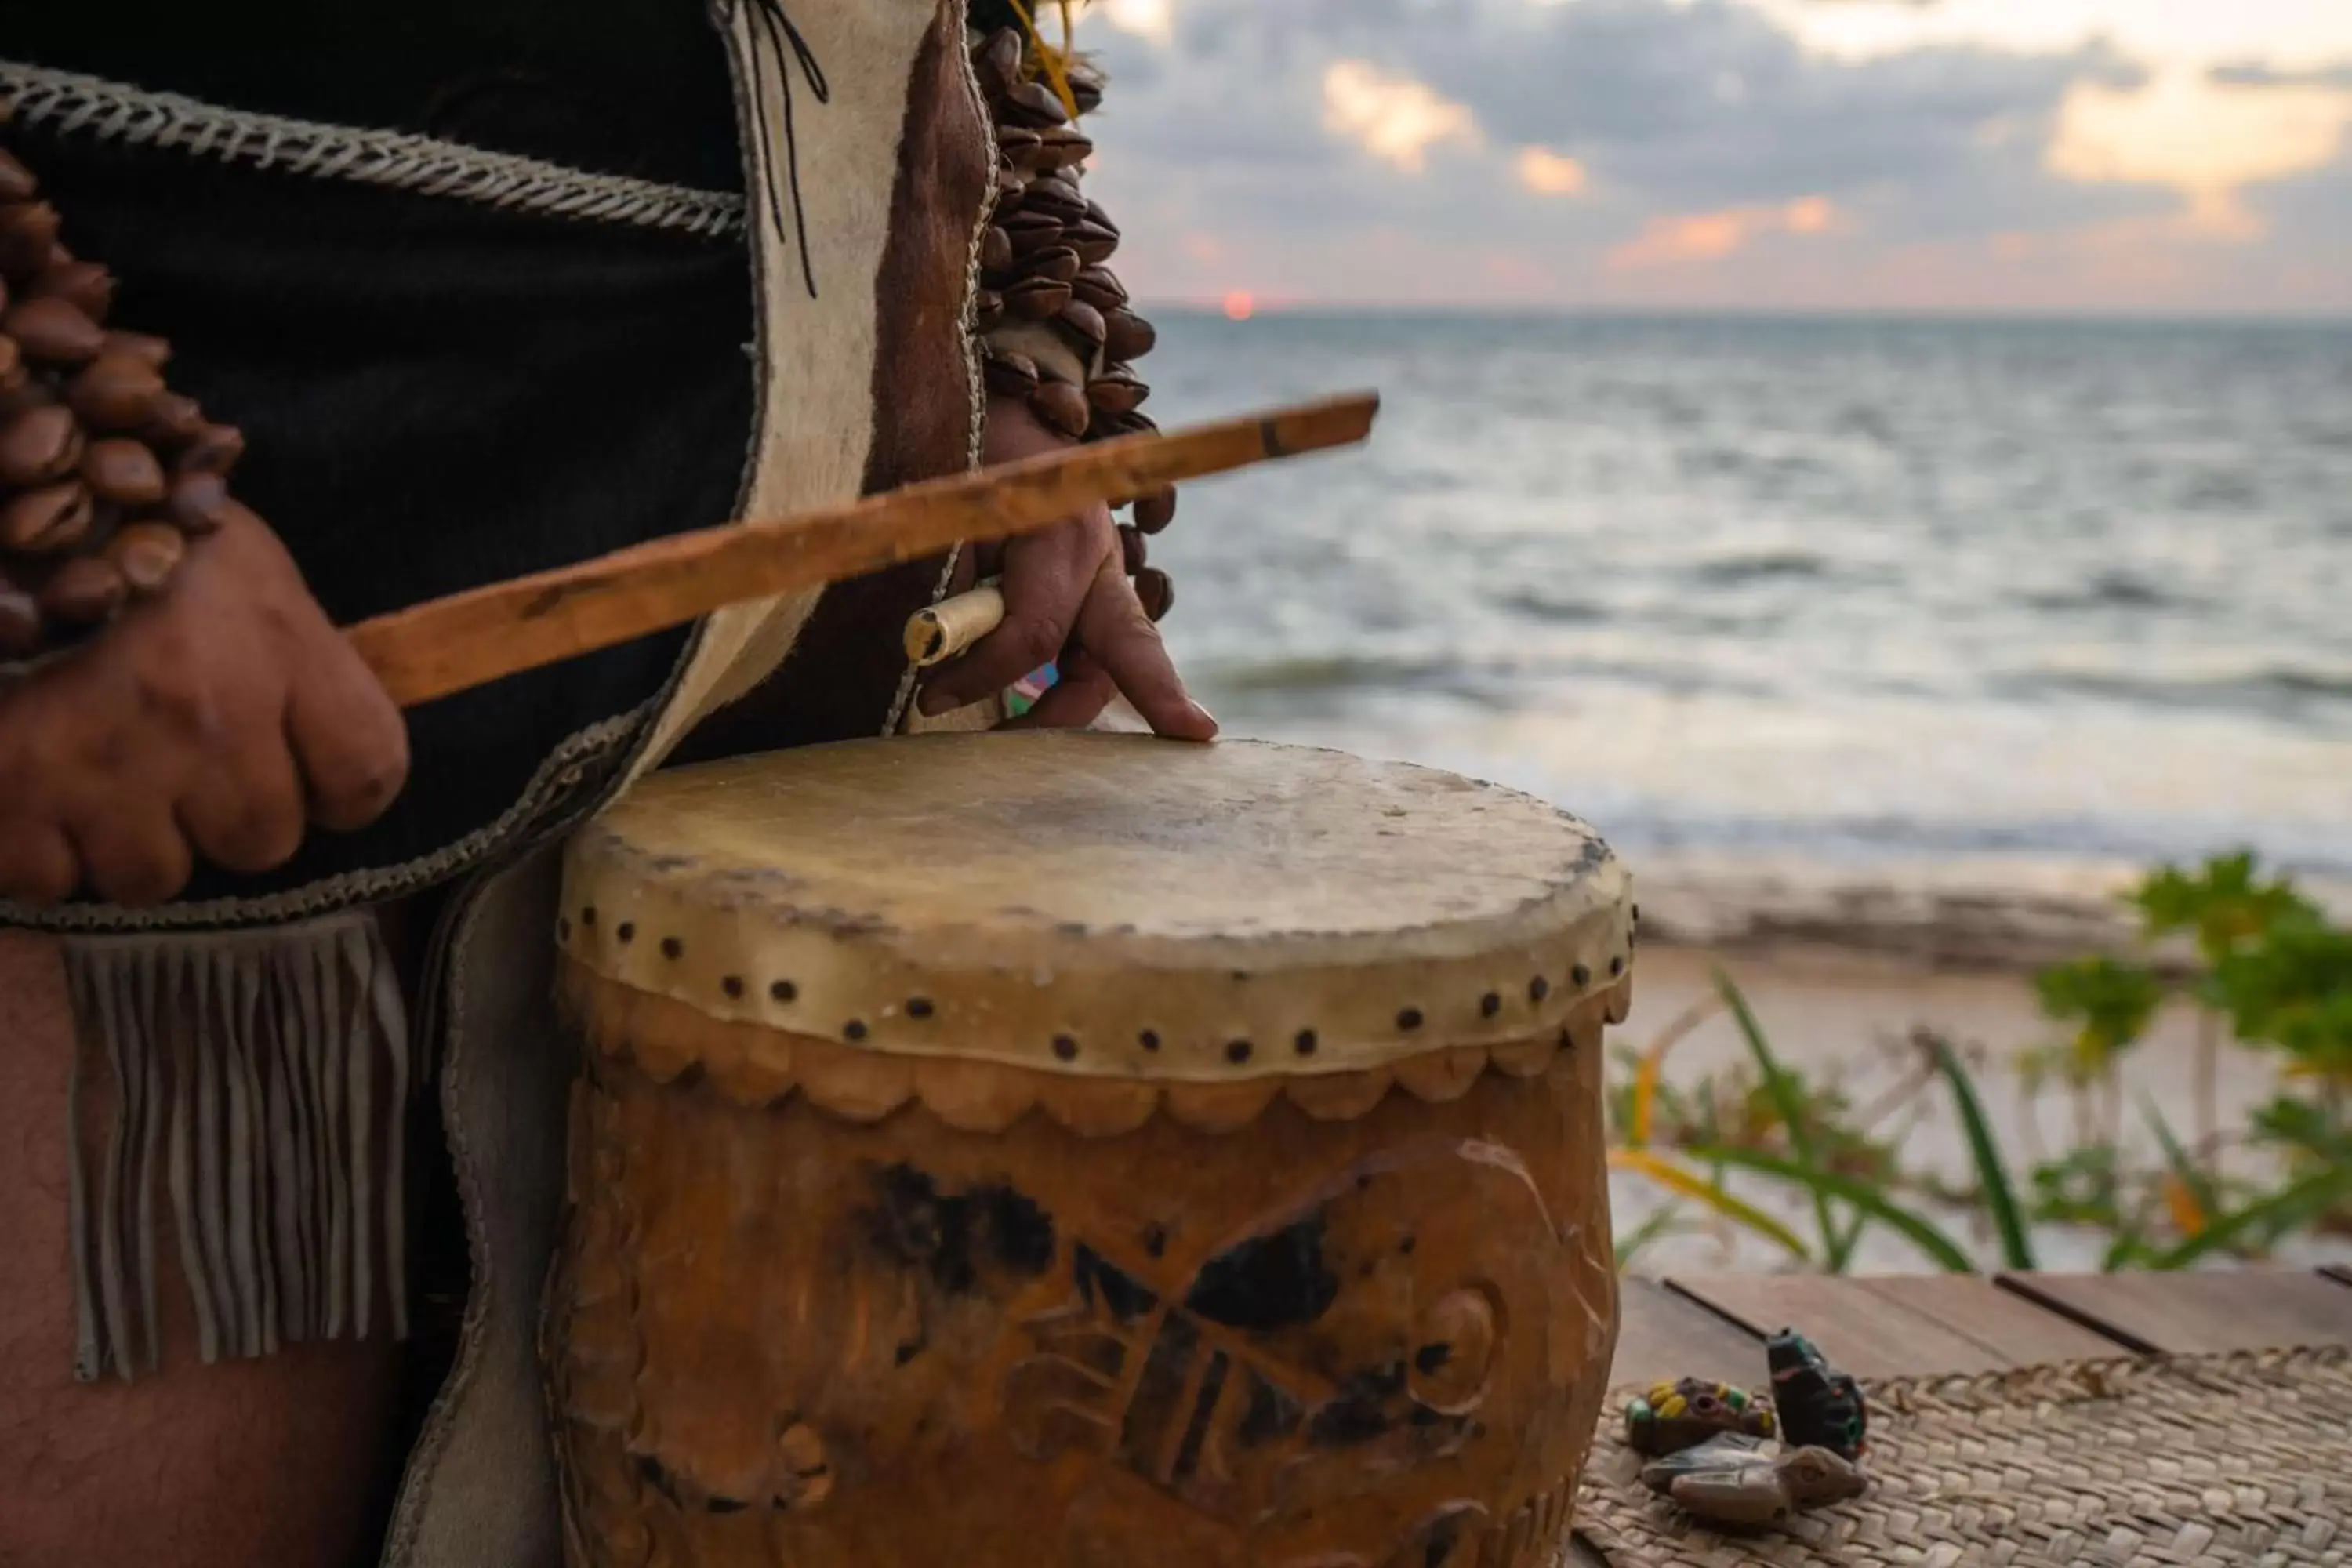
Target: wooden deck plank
[
  {"x": 1661, "y": 1336},
  {"x": 2199, "y": 1312},
  {"x": 1909, "y": 1325}
]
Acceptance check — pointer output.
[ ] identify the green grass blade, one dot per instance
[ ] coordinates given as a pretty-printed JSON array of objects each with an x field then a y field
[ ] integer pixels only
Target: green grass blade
[
  {"x": 1826, "y": 1184},
  {"x": 1837, "y": 1246},
  {"x": 1992, "y": 1174},
  {"x": 2281, "y": 1211},
  {"x": 2185, "y": 1171},
  {"x": 1711, "y": 1195}
]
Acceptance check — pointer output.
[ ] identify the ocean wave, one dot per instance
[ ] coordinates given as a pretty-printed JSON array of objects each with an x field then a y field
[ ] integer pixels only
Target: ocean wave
[
  {"x": 2270, "y": 687},
  {"x": 2116, "y": 590},
  {"x": 1536, "y": 605},
  {"x": 1760, "y": 567}
]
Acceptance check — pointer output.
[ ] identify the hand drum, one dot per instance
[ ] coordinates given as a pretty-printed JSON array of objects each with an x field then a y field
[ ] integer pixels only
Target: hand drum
[{"x": 1084, "y": 1150}]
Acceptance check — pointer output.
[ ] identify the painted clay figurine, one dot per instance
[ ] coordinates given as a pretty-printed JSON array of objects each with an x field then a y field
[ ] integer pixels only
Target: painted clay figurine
[
  {"x": 1676, "y": 1415},
  {"x": 1743, "y": 1483},
  {"x": 1818, "y": 1406}
]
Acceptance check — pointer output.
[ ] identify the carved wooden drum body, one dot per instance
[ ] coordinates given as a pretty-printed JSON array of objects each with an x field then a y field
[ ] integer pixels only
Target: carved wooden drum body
[{"x": 1088, "y": 1151}]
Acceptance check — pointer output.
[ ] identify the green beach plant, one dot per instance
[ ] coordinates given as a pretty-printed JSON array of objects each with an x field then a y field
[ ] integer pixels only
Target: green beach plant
[{"x": 2270, "y": 974}]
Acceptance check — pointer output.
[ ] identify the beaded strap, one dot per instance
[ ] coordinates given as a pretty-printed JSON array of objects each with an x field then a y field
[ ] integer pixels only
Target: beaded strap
[
  {"x": 105, "y": 472},
  {"x": 1057, "y": 329}
]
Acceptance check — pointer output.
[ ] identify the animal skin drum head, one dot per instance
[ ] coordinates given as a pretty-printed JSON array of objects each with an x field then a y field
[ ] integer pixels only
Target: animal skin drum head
[{"x": 1106, "y": 906}]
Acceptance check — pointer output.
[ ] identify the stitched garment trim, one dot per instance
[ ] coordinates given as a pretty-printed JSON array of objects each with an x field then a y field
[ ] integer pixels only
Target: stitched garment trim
[{"x": 69, "y": 103}]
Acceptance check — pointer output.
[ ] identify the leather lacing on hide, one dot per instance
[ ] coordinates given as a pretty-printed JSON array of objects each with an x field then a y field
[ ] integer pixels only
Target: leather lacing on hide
[{"x": 791, "y": 48}]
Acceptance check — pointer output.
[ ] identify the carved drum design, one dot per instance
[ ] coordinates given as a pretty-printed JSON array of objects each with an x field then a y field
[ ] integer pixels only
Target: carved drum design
[{"x": 1084, "y": 1150}]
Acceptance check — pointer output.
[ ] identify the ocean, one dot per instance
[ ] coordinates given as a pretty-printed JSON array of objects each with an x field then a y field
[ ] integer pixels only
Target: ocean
[{"x": 1891, "y": 603}]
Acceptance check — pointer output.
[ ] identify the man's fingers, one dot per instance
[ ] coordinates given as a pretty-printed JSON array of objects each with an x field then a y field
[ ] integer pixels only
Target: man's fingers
[
  {"x": 1045, "y": 579},
  {"x": 246, "y": 813},
  {"x": 348, "y": 739},
  {"x": 130, "y": 856},
  {"x": 1113, "y": 628},
  {"x": 1073, "y": 702},
  {"x": 36, "y": 862}
]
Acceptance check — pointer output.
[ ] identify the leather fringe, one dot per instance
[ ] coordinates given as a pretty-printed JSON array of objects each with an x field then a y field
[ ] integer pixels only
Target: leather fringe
[{"x": 259, "y": 1083}]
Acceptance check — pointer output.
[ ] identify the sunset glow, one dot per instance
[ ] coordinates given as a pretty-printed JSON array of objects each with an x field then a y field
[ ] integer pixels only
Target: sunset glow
[
  {"x": 1707, "y": 236},
  {"x": 1239, "y": 305}
]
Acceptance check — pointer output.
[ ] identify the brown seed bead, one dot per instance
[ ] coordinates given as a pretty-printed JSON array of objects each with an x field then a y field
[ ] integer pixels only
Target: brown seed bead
[
  {"x": 997, "y": 62},
  {"x": 1017, "y": 142},
  {"x": 995, "y": 250},
  {"x": 1038, "y": 299},
  {"x": 1117, "y": 391},
  {"x": 1095, "y": 245},
  {"x": 1062, "y": 407},
  {"x": 214, "y": 450},
  {"x": 1058, "y": 264},
  {"x": 53, "y": 331},
  {"x": 147, "y": 554},
  {"x": 1063, "y": 148},
  {"x": 1100, "y": 288},
  {"x": 1056, "y": 195},
  {"x": 1158, "y": 593},
  {"x": 174, "y": 421},
  {"x": 987, "y": 311},
  {"x": 1131, "y": 551},
  {"x": 27, "y": 230},
  {"x": 1127, "y": 336},
  {"x": 11, "y": 364},
  {"x": 151, "y": 350},
  {"x": 24, "y": 392},
  {"x": 1084, "y": 321},
  {"x": 20, "y": 622},
  {"x": 1156, "y": 511},
  {"x": 42, "y": 522},
  {"x": 1086, "y": 86},
  {"x": 1033, "y": 104},
  {"x": 115, "y": 392},
  {"x": 17, "y": 181},
  {"x": 123, "y": 471},
  {"x": 1010, "y": 189},
  {"x": 198, "y": 500},
  {"x": 1099, "y": 218},
  {"x": 1031, "y": 232},
  {"x": 39, "y": 445},
  {"x": 85, "y": 591},
  {"x": 1012, "y": 374},
  {"x": 89, "y": 287}
]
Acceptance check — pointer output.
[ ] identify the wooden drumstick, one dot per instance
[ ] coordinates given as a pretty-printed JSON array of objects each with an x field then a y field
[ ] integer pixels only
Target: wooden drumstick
[
  {"x": 468, "y": 639},
  {"x": 940, "y": 633}
]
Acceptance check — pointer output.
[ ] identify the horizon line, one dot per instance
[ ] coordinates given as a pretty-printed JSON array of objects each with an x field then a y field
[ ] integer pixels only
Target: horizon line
[{"x": 2219, "y": 316}]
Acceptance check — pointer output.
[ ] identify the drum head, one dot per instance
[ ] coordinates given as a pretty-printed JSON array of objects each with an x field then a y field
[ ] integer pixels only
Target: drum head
[{"x": 1108, "y": 905}]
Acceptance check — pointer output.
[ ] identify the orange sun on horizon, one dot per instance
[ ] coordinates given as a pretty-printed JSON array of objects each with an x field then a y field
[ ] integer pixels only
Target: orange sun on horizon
[{"x": 1239, "y": 305}]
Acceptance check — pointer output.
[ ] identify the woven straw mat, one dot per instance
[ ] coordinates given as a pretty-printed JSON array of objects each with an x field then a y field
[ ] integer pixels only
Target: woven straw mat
[{"x": 2231, "y": 1459}]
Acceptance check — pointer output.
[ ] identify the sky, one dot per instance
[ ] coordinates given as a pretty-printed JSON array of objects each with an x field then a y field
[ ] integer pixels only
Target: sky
[{"x": 2186, "y": 157}]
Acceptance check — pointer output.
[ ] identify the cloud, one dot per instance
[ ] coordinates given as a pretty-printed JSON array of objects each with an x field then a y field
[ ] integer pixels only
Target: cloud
[
  {"x": 2256, "y": 74},
  {"x": 1707, "y": 236},
  {"x": 1420, "y": 150},
  {"x": 1549, "y": 174},
  {"x": 2206, "y": 141},
  {"x": 1394, "y": 118}
]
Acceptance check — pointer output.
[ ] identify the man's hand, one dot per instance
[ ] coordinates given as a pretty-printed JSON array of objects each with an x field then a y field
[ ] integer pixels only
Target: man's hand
[
  {"x": 1067, "y": 597},
  {"x": 215, "y": 721}
]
